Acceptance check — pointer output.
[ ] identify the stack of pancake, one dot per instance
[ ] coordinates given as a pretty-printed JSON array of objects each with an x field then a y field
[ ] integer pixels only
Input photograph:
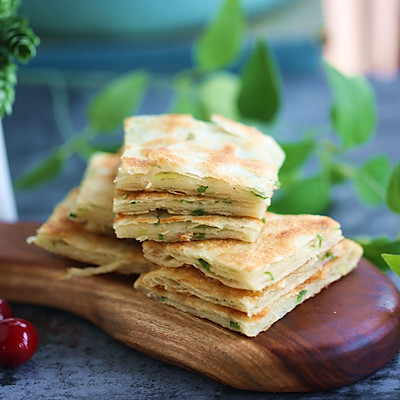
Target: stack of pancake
[
  {"x": 181, "y": 179},
  {"x": 196, "y": 195},
  {"x": 248, "y": 286}
]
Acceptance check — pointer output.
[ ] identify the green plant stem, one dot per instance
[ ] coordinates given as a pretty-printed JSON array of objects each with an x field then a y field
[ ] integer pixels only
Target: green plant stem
[
  {"x": 81, "y": 139},
  {"x": 190, "y": 74}
]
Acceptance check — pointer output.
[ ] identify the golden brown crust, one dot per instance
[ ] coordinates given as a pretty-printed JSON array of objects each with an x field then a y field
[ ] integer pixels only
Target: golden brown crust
[{"x": 225, "y": 150}]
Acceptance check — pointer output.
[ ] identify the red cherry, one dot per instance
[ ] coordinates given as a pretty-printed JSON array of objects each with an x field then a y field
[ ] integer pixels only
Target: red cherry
[
  {"x": 18, "y": 341},
  {"x": 5, "y": 310}
]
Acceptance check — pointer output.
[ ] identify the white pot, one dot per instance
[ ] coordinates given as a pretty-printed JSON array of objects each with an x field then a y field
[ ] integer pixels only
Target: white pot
[{"x": 8, "y": 209}]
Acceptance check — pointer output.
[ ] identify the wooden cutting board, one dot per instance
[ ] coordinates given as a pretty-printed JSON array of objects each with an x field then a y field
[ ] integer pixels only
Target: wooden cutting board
[{"x": 347, "y": 332}]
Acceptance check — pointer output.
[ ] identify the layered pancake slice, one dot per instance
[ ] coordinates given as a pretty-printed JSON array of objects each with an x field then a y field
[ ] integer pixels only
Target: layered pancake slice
[
  {"x": 133, "y": 203},
  {"x": 177, "y": 154},
  {"x": 285, "y": 243},
  {"x": 94, "y": 199},
  {"x": 161, "y": 226},
  {"x": 190, "y": 281},
  {"x": 65, "y": 237},
  {"x": 252, "y": 325}
]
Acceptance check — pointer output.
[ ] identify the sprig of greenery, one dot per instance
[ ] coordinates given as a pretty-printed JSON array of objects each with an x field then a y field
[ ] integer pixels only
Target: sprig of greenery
[
  {"x": 254, "y": 94},
  {"x": 17, "y": 44},
  {"x": 105, "y": 113},
  {"x": 8, "y": 8},
  {"x": 8, "y": 80}
]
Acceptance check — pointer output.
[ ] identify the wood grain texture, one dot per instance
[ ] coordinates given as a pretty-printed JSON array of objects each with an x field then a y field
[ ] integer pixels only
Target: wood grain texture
[{"x": 345, "y": 333}]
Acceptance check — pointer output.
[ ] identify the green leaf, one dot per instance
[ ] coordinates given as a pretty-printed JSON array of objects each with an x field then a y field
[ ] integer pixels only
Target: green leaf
[
  {"x": 393, "y": 260},
  {"x": 297, "y": 153},
  {"x": 218, "y": 94},
  {"x": 308, "y": 196},
  {"x": 378, "y": 246},
  {"x": 371, "y": 179},
  {"x": 393, "y": 190},
  {"x": 260, "y": 92},
  {"x": 117, "y": 101},
  {"x": 220, "y": 43},
  {"x": 43, "y": 172},
  {"x": 353, "y": 113}
]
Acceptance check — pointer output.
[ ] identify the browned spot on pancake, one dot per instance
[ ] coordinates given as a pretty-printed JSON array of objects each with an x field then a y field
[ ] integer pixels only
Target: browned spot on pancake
[
  {"x": 164, "y": 141},
  {"x": 131, "y": 162},
  {"x": 218, "y": 160},
  {"x": 173, "y": 121},
  {"x": 161, "y": 156}
]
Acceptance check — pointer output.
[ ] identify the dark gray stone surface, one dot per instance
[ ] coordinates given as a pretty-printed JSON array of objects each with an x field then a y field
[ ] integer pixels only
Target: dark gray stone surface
[{"x": 75, "y": 359}]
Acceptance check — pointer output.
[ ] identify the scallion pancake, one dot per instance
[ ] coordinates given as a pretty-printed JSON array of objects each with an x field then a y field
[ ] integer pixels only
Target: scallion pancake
[
  {"x": 128, "y": 202},
  {"x": 164, "y": 227},
  {"x": 284, "y": 244},
  {"x": 176, "y": 153},
  {"x": 93, "y": 204},
  {"x": 252, "y": 325},
  {"x": 65, "y": 237},
  {"x": 190, "y": 281}
]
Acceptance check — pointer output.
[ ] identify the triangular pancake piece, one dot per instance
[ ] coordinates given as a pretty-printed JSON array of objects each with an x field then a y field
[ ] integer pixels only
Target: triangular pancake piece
[
  {"x": 63, "y": 236},
  {"x": 253, "y": 325},
  {"x": 93, "y": 204},
  {"x": 178, "y": 154},
  {"x": 190, "y": 281},
  {"x": 128, "y": 202},
  {"x": 285, "y": 243},
  {"x": 164, "y": 227}
]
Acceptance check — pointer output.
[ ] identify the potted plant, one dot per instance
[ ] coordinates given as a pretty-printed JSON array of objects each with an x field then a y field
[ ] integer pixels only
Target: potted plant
[{"x": 17, "y": 45}]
